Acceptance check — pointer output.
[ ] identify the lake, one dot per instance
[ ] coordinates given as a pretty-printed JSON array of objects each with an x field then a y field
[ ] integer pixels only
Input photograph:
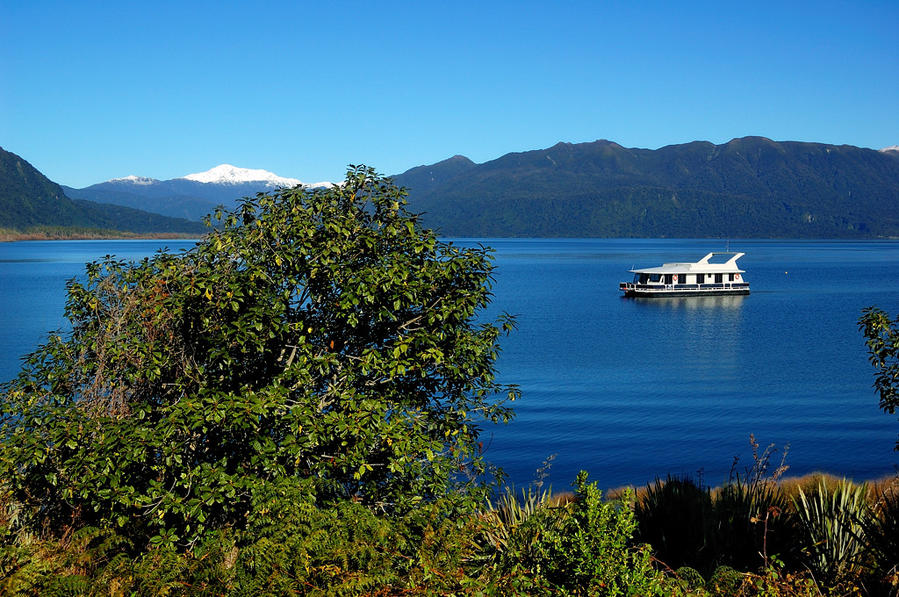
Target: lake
[{"x": 628, "y": 389}]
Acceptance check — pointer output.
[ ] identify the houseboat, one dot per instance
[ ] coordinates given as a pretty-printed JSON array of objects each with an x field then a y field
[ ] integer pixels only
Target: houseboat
[{"x": 702, "y": 278}]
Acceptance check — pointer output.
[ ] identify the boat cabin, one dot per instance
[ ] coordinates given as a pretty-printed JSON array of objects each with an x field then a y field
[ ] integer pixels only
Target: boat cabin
[{"x": 703, "y": 277}]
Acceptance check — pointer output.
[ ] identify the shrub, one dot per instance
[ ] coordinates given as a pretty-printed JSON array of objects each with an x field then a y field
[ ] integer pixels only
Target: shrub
[
  {"x": 345, "y": 549},
  {"x": 725, "y": 581},
  {"x": 30, "y": 565},
  {"x": 753, "y": 521},
  {"x": 881, "y": 532},
  {"x": 675, "y": 518},
  {"x": 315, "y": 335},
  {"x": 689, "y": 579},
  {"x": 590, "y": 551}
]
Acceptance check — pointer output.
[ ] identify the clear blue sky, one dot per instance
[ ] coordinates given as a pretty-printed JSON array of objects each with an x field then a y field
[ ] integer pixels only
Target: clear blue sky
[{"x": 95, "y": 90}]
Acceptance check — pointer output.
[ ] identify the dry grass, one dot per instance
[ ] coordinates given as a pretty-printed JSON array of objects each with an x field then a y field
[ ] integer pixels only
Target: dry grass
[
  {"x": 790, "y": 486},
  {"x": 562, "y": 499},
  {"x": 807, "y": 483},
  {"x": 884, "y": 484},
  {"x": 617, "y": 492}
]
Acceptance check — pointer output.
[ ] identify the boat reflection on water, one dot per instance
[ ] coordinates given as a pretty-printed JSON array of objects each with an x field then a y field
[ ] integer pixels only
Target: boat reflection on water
[
  {"x": 691, "y": 302},
  {"x": 702, "y": 330}
]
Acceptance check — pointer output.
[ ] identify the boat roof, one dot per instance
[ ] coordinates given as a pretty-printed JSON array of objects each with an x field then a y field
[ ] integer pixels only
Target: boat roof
[{"x": 703, "y": 266}]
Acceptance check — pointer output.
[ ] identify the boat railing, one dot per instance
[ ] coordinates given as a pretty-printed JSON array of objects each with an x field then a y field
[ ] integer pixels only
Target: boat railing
[{"x": 670, "y": 287}]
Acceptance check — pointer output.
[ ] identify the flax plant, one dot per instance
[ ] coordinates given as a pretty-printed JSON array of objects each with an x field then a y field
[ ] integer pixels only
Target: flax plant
[
  {"x": 507, "y": 530},
  {"x": 833, "y": 520}
]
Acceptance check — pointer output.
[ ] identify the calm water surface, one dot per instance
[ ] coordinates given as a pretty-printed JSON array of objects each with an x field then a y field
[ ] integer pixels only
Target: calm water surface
[{"x": 628, "y": 389}]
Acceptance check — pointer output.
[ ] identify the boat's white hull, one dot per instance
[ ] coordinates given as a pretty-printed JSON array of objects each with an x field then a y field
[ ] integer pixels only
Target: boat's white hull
[{"x": 660, "y": 290}]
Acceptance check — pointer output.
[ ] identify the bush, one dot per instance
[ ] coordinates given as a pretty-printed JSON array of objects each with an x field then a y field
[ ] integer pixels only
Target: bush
[
  {"x": 753, "y": 521},
  {"x": 589, "y": 552},
  {"x": 675, "y": 518},
  {"x": 881, "y": 531},
  {"x": 725, "y": 581},
  {"x": 319, "y": 338},
  {"x": 344, "y": 549},
  {"x": 689, "y": 579}
]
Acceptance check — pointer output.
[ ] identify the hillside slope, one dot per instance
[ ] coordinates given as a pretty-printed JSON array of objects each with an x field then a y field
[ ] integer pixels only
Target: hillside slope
[
  {"x": 749, "y": 187},
  {"x": 28, "y": 199},
  {"x": 175, "y": 205}
]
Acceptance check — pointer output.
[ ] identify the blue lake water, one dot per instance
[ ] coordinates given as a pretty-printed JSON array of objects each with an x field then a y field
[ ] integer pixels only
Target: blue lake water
[{"x": 627, "y": 389}]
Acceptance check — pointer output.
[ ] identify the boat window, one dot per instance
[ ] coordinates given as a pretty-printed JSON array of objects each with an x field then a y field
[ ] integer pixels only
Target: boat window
[
  {"x": 719, "y": 278},
  {"x": 730, "y": 277},
  {"x": 655, "y": 277},
  {"x": 668, "y": 279},
  {"x": 700, "y": 278}
]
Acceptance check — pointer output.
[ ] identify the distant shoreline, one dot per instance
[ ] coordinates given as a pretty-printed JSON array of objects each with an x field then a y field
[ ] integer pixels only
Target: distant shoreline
[{"x": 15, "y": 235}]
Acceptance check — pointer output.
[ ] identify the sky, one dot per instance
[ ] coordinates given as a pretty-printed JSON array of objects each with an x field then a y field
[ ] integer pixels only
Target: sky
[{"x": 96, "y": 90}]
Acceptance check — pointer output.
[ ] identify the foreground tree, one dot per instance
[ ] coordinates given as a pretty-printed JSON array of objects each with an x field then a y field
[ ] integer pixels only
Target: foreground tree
[
  {"x": 882, "y": 339},
  {"x": 318, "y": 344}
]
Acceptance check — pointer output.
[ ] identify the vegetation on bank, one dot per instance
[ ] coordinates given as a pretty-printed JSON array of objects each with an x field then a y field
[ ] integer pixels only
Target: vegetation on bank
[
  {"x": 294, "y": 406},
  {"x": 80, "y": 233},
  {"x": 825, "y": 537}
]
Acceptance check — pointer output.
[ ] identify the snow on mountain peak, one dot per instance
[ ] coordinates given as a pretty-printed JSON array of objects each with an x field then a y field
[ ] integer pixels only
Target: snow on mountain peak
[
  {"x": 228, "y": 174},
  {"x": 141, "y": 180},
  {"x": 891, "y": 148}
]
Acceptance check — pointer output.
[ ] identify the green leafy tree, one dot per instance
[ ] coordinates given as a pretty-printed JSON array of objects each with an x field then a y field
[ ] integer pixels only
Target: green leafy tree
[
  {"x": 882, "y": 338},
  {"x": 316, "y": 341}
]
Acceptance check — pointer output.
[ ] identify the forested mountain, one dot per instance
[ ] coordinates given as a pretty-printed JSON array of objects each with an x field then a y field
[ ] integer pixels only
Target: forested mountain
[
  {"x": 748, "y": 187},
  {"x": 28, "y": 199}
]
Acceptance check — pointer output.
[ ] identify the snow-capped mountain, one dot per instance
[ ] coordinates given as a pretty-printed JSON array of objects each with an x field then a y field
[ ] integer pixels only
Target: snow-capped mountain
[
  {"x": 893, "y": 148},
  {"x": 191, "y": 196},
  {"x": 228, "y": 174}
]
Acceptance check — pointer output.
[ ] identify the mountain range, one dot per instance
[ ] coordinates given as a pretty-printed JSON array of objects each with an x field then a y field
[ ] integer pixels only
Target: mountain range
[
  {"x": 192, "y": 196},
  {"x": 748, "y": 187}
]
